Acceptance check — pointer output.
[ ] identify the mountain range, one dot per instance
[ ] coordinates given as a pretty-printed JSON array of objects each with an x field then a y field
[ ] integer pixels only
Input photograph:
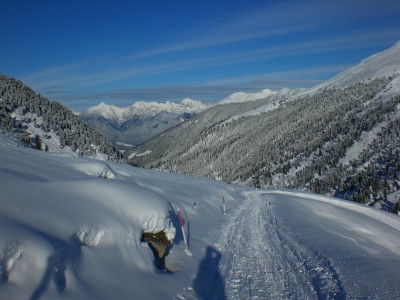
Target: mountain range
[
  {"x": 139, "y": 122},
  {"x": 340, "y": 138}
]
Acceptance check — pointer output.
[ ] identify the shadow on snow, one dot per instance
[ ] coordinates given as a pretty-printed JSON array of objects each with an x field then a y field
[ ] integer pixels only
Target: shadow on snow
[{"x": 209, "y": 283}]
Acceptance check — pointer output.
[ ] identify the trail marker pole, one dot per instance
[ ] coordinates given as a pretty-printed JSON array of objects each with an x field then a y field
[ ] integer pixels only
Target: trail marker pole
[
  {"x": 223, "y": 205},
  {"x": 183, "y": 233}
]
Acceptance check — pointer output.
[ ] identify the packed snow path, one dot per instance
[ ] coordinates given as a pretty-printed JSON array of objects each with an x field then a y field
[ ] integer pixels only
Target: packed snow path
[{"x": 282, "y": 247}]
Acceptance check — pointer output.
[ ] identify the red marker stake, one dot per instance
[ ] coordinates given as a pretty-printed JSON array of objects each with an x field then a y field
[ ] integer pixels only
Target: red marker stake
[{"x": 183, "y": 233}]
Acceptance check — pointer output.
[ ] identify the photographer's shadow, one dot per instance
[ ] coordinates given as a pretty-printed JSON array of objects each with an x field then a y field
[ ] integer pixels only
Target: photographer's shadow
[{"x": 208, "y": 283}]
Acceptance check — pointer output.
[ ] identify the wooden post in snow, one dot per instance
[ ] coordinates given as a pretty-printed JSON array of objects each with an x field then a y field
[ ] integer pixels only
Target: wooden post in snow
[{"x": 183, "y": 233}]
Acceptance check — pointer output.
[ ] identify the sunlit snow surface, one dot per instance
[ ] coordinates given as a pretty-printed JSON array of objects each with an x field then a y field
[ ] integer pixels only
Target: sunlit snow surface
[{"x": 71, "y": 227}]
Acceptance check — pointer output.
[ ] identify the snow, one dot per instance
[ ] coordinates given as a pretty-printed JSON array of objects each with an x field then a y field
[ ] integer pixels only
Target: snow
[
  {"x": 133, "y": 154},
  {"x": 125, "y": 145},
  {"x": 49, "y": 139},
  {"x": 141, "y": 109},
  {"x": 70, "y": 228},
  {"x": 240, "y": 97},
  {"x": 392, "y": 90},
  {"x": 366, "y": 139}
]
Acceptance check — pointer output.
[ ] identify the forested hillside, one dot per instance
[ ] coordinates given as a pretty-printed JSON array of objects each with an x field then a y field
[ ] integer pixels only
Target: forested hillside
[
  {"x": 340, "y": 139},
  {"x": 48, "y": 125}
]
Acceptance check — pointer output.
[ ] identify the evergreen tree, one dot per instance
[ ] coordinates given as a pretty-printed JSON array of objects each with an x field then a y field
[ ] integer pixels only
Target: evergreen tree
[{"x": 38, "y": 142}]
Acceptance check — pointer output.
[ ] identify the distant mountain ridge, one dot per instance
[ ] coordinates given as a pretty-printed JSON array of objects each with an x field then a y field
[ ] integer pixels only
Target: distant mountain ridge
[
  {"x": 144, "y": 110},
  {"x": 142, "y": 120},
  {"x": 340, "y": 138}
]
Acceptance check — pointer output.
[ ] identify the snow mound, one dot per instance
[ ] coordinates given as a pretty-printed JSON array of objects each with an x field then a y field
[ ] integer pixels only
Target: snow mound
[
  {"x": 95, "y": 168},
  {"x": 89, "y": 236}
]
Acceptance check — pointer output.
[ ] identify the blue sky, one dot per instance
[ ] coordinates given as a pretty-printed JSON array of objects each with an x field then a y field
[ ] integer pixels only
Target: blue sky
[{"x": 83, "y": 52}]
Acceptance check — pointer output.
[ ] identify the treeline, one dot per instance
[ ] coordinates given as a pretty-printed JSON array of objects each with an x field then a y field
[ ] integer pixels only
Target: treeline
[{"x": 18, "y": 100}]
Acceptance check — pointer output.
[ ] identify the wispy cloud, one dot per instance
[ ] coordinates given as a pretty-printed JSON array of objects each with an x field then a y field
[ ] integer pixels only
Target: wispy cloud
[
  {"x": 290, "y": 77},
  {"x": 60, "y": 69},
  {"x": 77, "y": 76},
  {"x": 212, "y": 40},
  {"x": 285, "y": 18}
]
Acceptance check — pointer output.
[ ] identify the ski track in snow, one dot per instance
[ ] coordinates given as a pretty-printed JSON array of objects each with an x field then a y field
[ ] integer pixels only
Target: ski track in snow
[{"x": 266, "y": 264}]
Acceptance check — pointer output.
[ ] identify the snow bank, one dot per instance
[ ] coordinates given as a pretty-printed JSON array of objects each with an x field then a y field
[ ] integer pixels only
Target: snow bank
[{"x": 71, "y": 227}]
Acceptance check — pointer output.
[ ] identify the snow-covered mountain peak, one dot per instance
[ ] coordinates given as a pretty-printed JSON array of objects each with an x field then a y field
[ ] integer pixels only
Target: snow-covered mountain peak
[
  {"x": 239, "y": 97},
  {"x": 106, "y": 110},
  {"x": 284, "y": 91},
  {"x": 101, "y": 106},
  {"x": 187, "y": 102}
]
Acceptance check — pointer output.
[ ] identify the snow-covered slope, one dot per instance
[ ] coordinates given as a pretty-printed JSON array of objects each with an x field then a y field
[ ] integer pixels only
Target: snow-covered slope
[
  {"x": 383, "y": 64},
  {"x": 50, "y": 139},
  {"x": 144, "y": 110},
  {"x": 70, "y": 228},
  {"x": 239, "y": 97},
  {"x": 379, "y": 65}
]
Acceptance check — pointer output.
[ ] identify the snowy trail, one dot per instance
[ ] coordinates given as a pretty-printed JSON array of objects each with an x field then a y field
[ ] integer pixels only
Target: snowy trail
[{"x": 257, "y": 263}]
